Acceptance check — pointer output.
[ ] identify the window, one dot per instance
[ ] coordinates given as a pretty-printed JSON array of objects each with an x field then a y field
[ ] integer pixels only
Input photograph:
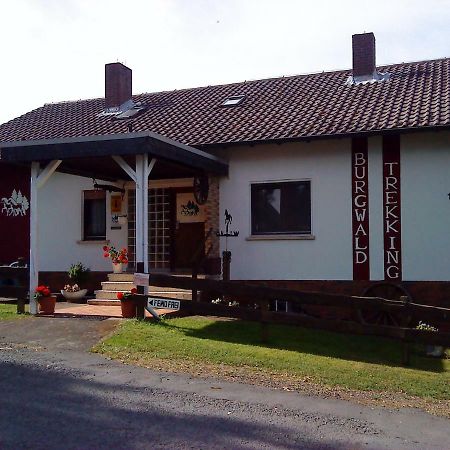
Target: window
[
  {"x": 281, "y": 208},
  {"x": 94, "y": 215},
  {"x": 234, "y": 100}
]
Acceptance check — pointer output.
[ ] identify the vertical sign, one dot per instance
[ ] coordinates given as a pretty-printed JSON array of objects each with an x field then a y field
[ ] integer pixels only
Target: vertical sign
[
  {"x": 360, "y": 209},
  {"x": 392, "y": 209}
]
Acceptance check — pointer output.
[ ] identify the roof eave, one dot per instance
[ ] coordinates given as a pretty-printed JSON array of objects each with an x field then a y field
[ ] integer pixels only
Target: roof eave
[
  {"x": 317, "y": 137},
  {"x": 122, "y": 144}
]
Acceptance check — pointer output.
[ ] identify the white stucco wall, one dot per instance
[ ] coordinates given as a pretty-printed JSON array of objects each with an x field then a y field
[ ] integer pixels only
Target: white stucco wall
[
  {"x": 327, "y": 165},
  {"x": 425, "y": 185},
  {"x": 60, "y": 226},
  {"x": 425, "y": 172}
]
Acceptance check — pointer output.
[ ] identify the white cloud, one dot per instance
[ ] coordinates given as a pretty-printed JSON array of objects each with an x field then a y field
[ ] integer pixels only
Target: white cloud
[{"x": 55, "y": 50}]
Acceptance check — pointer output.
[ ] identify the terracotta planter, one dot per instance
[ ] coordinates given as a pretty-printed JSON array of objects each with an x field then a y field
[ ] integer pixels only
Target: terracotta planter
[
  {"x": 128, "y": 309},
  {"x": 117, "y": 268},
  {"x": 47, "y": 305}
]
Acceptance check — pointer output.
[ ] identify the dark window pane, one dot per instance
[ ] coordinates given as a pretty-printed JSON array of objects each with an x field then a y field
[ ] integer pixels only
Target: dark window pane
[
  {"x": 94, "y": 216},
  {"x": 281, "y": 207}
]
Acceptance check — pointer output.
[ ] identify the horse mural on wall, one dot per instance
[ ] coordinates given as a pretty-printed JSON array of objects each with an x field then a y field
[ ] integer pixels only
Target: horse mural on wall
[{"x": 16, "y": 205}]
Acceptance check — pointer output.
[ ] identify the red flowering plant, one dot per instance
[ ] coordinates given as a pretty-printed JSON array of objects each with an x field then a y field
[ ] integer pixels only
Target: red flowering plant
[
  {"x": 42, "y": 291},
  {"x": 117, "y": 256},
  {"x": 126, "y": 296}
]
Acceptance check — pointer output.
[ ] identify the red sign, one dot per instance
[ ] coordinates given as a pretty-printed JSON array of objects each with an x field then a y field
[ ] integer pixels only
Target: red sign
[
  {"x": 14, "y": 213},
  {"x": 392, "y": 209},
  {"x": 360, "y": 209}
]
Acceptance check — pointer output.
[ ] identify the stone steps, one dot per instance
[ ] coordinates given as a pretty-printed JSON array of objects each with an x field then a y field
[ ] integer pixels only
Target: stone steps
[
  {"x": 123, "y": 282},
  {"x": 112, "y": 295},
  {"x": 121, "y": 277},
  {"x": 118, "y": 286}
]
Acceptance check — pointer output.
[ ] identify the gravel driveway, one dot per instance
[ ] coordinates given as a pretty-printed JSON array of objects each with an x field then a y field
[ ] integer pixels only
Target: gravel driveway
[{"x": 54, "y": 394}]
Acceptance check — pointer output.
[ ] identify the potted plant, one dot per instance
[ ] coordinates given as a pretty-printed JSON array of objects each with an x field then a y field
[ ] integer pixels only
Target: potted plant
[
  {"x": 45, "y": 300},
  {"x": 431, "y": 350},
  {"x": 127, "y": 304},
  {"x": 78, "y": 274},
  {"x": 73, "y": 293},
  {"x": 118, "y": 257}
]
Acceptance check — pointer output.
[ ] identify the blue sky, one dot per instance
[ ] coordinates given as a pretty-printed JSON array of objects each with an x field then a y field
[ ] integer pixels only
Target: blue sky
[{"x": 55, "y": 50}]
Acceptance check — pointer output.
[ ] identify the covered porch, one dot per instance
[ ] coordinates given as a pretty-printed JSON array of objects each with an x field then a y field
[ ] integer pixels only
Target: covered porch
[{"x": 136, "y": 160}]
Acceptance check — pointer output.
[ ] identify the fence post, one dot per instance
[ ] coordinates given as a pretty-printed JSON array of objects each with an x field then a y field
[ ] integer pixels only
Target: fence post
[
  {"x": 21, "y": 303},
  {"x": 194, "y": 291},
  {"x": 264, "y": 323},
  {"x": 140, "y": 290},
  {"x": 406, "y": 346}
]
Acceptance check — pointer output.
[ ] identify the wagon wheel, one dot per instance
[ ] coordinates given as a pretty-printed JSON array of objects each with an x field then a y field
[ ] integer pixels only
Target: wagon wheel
[
  {"x": 389, "y": 291},
  {"x": 201, "y": 189}
]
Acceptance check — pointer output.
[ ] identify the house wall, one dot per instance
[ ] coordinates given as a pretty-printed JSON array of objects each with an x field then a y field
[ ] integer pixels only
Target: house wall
[
  {"x": 425, "y": 209},
  {"x": 329, "y": 254},
  {"x": 60, "y": 226},
  {"x": 425, "y": 184}
]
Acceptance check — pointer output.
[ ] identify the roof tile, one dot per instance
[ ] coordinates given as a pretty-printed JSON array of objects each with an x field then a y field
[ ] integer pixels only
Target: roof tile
[{"x": 416, "y": 95}]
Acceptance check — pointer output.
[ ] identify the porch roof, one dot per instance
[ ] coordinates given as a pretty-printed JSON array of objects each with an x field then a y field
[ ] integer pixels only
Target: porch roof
[{"x": 86, "y": 155}]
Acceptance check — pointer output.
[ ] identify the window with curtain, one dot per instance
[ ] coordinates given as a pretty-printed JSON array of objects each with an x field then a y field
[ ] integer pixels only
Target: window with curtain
[
  {"x": 281, "y": 207},
  {"x": 94, "y": 215}
]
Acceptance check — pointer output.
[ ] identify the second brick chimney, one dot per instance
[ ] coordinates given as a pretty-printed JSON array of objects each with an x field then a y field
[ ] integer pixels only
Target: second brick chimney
[
  {"x": 363, "y": 55},
  {"x": 117, "y": 86}
]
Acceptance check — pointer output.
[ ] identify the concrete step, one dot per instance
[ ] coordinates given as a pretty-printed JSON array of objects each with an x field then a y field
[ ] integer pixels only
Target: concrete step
[
  {"x": 121, "y": 277},
  {"x": 119, "y": 286},
  {"x": 103, "y": 302},
  {"x": 181, "y": 295},
  {"x": 112, "y": 295}
]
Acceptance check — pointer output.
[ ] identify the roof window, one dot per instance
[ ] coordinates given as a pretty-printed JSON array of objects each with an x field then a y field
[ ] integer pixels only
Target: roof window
[
  {"x": 132, "y": 112},
  {"x": 128, "y": 112},
  {"x": 234, "y": 100}
]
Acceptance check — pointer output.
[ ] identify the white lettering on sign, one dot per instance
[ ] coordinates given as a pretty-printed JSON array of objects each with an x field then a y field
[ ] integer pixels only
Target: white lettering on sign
[
  {"x": 392, "y": 209},
  {"x": 164, "y": 303},
  {"x": 141, "y": 279},
  {"x": 360, "y": 209}
]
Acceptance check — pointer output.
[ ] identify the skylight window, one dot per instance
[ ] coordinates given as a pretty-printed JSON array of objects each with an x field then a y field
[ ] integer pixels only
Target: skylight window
[
  {"x": 234, "y": 100},
  {"x": 132, "y": 112}
]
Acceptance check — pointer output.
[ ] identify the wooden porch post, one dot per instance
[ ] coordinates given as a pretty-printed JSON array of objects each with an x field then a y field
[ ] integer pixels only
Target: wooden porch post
[
  {"x": 38, "y": 180},
  {"x": 141, "y": 216},
  {"x": 140, "y": 178}
]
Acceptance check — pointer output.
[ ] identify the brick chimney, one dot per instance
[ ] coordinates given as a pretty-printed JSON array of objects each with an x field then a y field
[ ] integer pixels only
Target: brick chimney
[
  {"x": 117, "y": 85},
  {"x": 363, "y": 55}
]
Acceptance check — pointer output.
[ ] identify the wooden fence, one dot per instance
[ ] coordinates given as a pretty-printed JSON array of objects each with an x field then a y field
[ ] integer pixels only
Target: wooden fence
[
  {"x": 14, "y": 286},
  {"x": 261, "y": 297}
]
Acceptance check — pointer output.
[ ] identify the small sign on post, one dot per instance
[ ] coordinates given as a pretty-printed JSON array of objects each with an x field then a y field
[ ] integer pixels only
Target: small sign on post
[
  {"x": 141, "y": 279},
  {"x": 165, "y": 303}
]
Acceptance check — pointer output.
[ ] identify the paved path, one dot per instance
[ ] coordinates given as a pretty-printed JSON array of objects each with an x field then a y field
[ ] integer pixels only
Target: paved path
[
  {"x": 65, "y": 309},
  {"x": 54, "y": 395}
]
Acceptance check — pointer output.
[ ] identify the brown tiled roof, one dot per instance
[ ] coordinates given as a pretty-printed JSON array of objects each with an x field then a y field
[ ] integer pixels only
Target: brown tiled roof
[{"x": 416, "y": 95}]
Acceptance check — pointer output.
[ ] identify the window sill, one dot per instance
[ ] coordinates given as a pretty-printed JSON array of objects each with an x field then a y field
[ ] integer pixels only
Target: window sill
[
  {"x": 99, "y": 242},
  {"x": 281, "y": 237}
]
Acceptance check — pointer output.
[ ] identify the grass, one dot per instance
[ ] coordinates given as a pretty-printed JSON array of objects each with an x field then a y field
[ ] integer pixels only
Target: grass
[
  {"x": 10, "y": 312},
  {"x": 353, "y": 362}
]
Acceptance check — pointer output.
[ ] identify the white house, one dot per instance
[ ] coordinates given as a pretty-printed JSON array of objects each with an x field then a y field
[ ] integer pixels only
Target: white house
[{"x": 334, "y": 180}]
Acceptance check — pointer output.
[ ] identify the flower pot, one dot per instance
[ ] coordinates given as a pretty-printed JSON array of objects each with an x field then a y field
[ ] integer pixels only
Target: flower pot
[
  {"x": 117, "y": 268},
  {"x": 74, "y": 296},
  {"x": 128, "y": 309},
  {"x": 47, "y": 305}
]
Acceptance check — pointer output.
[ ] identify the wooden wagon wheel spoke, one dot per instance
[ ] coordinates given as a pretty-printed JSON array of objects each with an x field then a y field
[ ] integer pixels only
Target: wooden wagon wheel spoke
[{"x": 388, "y": 291}]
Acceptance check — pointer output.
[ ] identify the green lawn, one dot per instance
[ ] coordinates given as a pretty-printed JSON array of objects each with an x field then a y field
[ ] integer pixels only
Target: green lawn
[
  {"x": 10, "y": 312},
  {"x": 354, "y": 362}
]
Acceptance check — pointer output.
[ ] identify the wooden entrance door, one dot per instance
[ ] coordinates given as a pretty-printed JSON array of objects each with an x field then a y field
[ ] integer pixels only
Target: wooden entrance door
[{"x": 188, "y": 231}]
